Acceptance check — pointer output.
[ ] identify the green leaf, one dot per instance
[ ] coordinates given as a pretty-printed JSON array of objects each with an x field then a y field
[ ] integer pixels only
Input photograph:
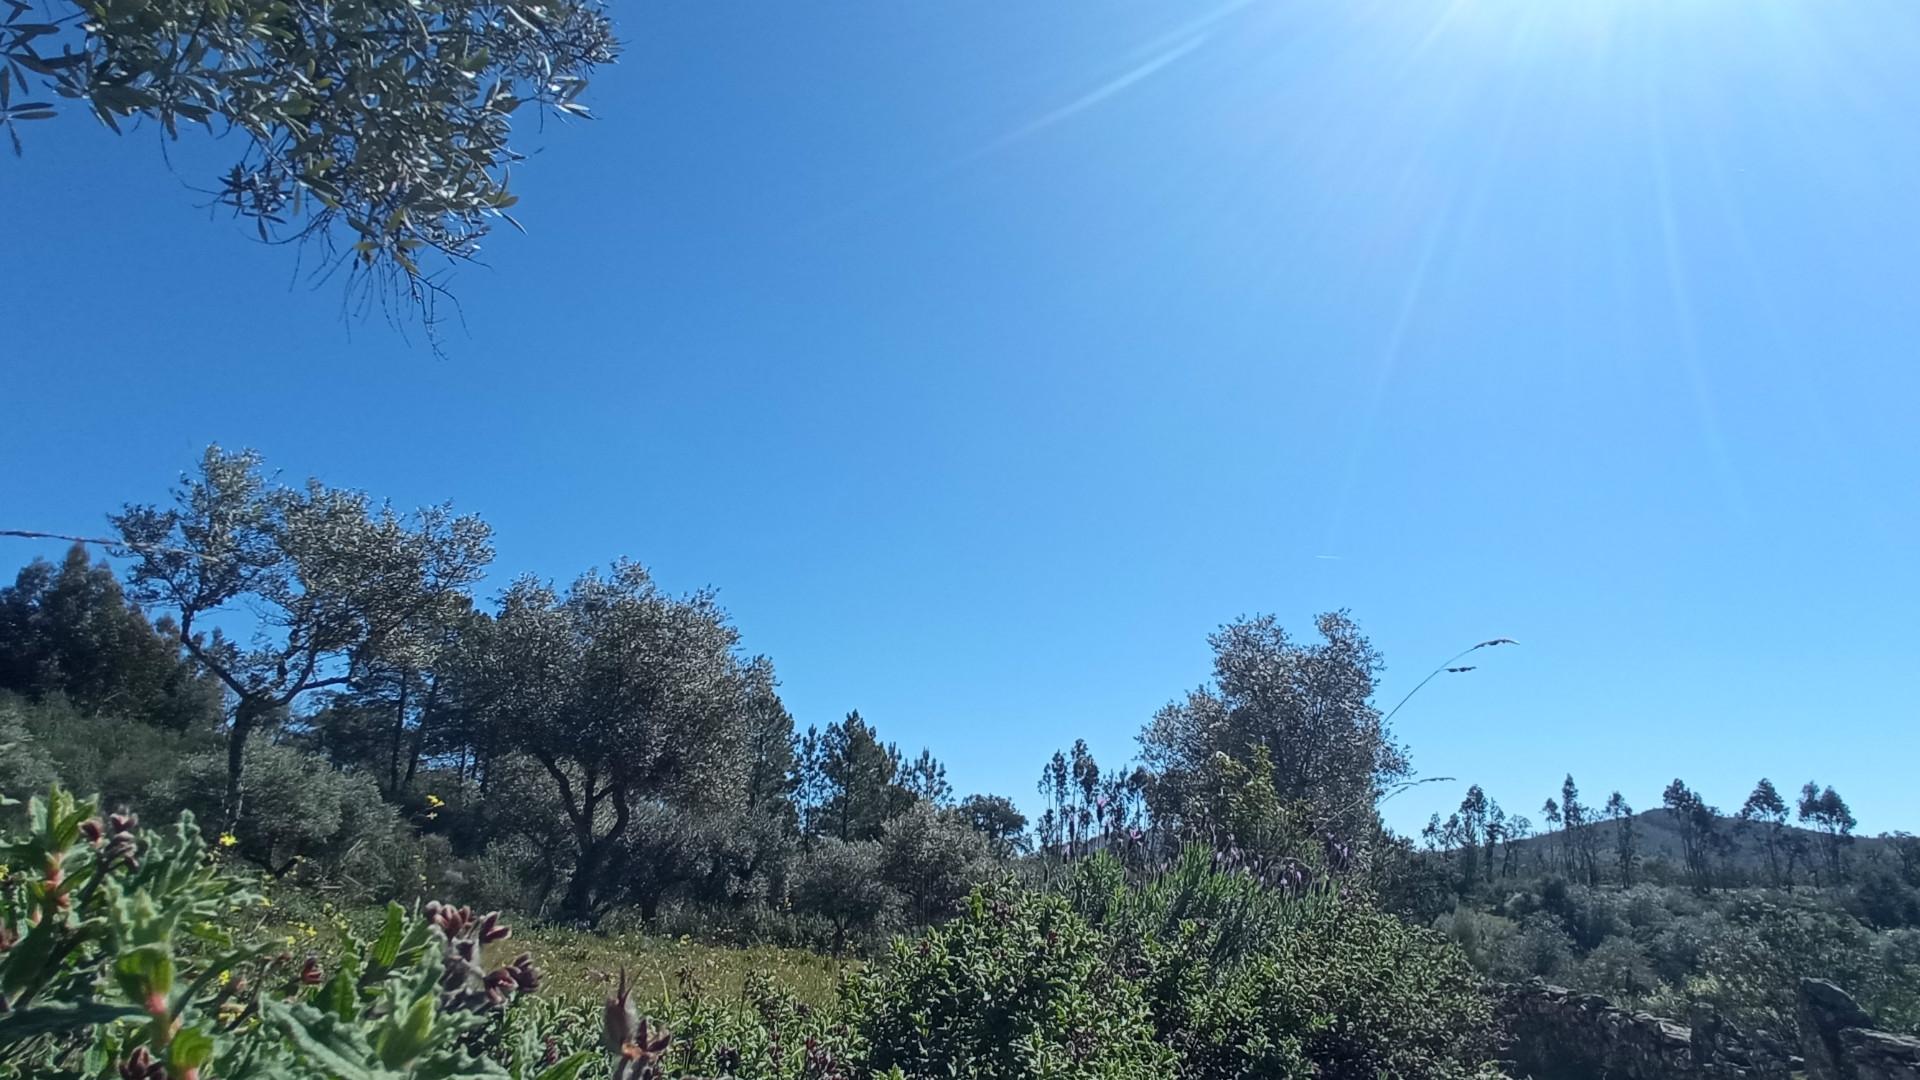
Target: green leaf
[
  {"x": 321, "y": 1041},
  {"x": 53, "y": 1019},
  {"x": 24, "y": 961},
  {"x": 386, "y": 949},
  {"x": 405, "y": 1041},
  {"x": 567, "y": 1067},
  {"x": 191, "y": 1048},
  {"x": 338, "y": 997},
  {"x": 145, "y": 972}
]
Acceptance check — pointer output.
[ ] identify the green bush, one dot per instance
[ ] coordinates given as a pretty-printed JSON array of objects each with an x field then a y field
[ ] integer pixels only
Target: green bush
[
  {"x": 840, "y": 883},
  {"x": 1017, "y": 986},
  {"x": 122, "y": 960},
  {"x": 931, "y": 859},
  {"x": 25, "y": 765},
  {"x": 1247, "y": 980},
  {"x": 108, "y": 754},
  {"x": 1349, "y": 993}
]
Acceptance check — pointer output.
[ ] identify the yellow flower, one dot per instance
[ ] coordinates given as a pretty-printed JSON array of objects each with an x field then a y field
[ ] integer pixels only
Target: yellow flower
[
  {"x": 436, "y": 801},
  {"x": 227, "y": 839}
]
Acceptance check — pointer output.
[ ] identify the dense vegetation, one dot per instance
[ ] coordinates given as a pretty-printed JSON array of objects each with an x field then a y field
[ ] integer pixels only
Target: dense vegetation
[
  {"x": 1683, "y": 904},
  {"x": 604, "y": 758},
  {"x": 127, "y": 952}
]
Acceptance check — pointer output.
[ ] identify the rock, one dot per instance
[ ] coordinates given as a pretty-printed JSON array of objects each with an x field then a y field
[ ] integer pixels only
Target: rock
[
  {"x": 1879, "y": 1055},
  {"x": 1838, "y": 1041}
]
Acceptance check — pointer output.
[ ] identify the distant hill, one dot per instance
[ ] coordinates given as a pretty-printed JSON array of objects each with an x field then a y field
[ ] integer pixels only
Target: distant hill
[{"x": 1659, "y": 838}]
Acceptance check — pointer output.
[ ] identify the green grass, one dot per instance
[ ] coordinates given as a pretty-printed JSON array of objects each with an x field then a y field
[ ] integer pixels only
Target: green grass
[
  {"x": 579, "y": 964},
  {"x": 576, "y": 965}
]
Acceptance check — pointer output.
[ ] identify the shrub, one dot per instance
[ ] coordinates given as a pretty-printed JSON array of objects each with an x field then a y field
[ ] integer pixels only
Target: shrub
[
  {"x": 1244, "y": 979},
  {"x": 1895, "y": 999},
  {"x": 1541, "y": 949},
  {"x": 110, "y": 755},
  {"x": 1349, "y": 993},
  {"x": 931, "y": 859},
  {"x": 840, "y": 882},
  {"x": 1885, "y": 901},
  {"x": 24, "y": 764},
  {"x": 1483, "y": 938},
  {"x": 1017, "y": 986},
  {"x": 1618, "y": 967},
  {"x": 122, "y": 960}
]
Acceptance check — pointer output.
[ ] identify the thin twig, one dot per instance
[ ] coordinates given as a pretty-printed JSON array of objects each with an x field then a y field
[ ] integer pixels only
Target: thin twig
[
  {"x": 1448, "y": 666},
  {"x": 27, "y": 534}
]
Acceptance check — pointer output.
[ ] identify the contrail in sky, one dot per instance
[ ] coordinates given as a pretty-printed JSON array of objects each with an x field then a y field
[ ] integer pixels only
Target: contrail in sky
[{"x": 1099, "y": 94}]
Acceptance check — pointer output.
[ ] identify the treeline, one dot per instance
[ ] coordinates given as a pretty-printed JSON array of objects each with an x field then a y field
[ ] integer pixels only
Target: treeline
[
  {"x": 1686, "y": 841},
  {"x": 311, "y": 670}
]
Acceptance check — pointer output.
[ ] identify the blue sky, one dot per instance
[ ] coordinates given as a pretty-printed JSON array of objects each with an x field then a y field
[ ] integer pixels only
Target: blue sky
[{"x": 987, "y": 355}]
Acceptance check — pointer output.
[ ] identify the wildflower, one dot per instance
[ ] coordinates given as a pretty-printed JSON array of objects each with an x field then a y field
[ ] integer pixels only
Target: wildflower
[{"x": 227, "y": 839}]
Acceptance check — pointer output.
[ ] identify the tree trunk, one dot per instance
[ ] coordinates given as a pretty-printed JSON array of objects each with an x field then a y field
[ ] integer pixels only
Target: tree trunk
[
  {"x": 399, "y": 736},
  {"x": 579, "y": 900},
  {"x": 420, "y": 733},
  {"x": 593, "y": 853},
  {"x": 246, "y": 715}
]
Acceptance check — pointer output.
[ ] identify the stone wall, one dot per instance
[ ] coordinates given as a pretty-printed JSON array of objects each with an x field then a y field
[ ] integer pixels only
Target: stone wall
[
  {"x": 1559, "y": 1034},
  {"x": 1839, "y": 1041}
]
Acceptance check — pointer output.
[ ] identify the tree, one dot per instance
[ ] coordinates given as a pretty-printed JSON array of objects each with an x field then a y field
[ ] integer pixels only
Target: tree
[
  {"x": 842, "y": 883},
  {"x": 1624, "y": 839},
  {"x": 931, "y": 857},
  {"x": 1497, "y": 829},
  {"x": 622, "y": 693},
  {"x": 1828, "y": 813},
  {"x": 337, "y": 585},
  {"x": 996, "y": 818},
  {"x": 1578, "y": 831},
  {"x": 70, "y": 630},
  {"x": 1906, "y": 848},
  {"x": 926, "y": 779},
  {"x": 1518, "y": 830},
  {"x": 1550, "y": 813},
  {"x": 1471, "y": 832},
  {"x": 1307, "y": 705},
  {"x": 857, "y": 770},
  {"x": 769, "y": 742},
  {"x": 1055, "y": 823},
  {"x": 1766, "y": 810},
  {"x": 1694, "y": 820},
  {"x": 381, "y": 128},
  {"x": 391, "y": 712},
  {"x": 1086, "y": 794}
]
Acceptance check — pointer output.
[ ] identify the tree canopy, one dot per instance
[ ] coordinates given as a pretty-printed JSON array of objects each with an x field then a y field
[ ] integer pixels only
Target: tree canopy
[
  {"x": 382, "y": 128},
  {"x": 1308, "y": 706},
  {"x": 336, "y": 584}
]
